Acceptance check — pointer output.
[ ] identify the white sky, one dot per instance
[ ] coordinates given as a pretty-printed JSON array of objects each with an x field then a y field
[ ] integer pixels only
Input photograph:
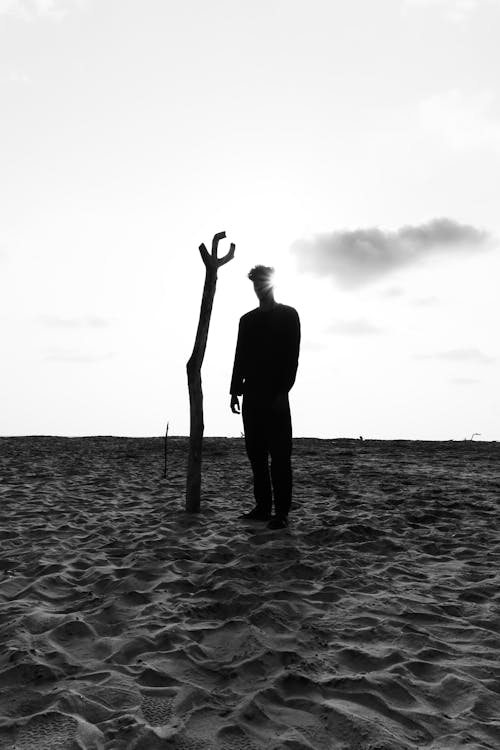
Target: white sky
[{"x": 131, "y": 131}]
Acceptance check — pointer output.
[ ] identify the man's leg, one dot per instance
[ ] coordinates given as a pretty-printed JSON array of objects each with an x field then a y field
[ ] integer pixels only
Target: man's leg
[
  {"x": 254, "y": 423},
  {"x": 280, "y": 446}
]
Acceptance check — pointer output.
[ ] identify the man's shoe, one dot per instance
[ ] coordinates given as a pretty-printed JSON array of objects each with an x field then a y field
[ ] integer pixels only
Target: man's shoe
[
  {"x": 256, "y": 515},
  {"x": 278, "y": 522}
]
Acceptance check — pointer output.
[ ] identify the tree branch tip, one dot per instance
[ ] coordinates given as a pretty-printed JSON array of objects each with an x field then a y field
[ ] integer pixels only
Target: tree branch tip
[
  {"x": 229, "y": 256},
  {"x": 205, "y": 254},
  {"x": 215, "y": 242}
]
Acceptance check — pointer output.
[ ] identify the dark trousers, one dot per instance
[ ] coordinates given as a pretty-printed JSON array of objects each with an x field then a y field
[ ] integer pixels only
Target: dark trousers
[{"x": 268, "y": 432}]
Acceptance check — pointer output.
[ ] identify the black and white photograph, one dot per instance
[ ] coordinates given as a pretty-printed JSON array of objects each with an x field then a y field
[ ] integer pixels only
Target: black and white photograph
[{"x": 249, "y": 379}]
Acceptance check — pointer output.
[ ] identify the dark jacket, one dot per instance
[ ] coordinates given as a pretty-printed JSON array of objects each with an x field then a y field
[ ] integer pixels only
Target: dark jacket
[{"x": 267, "y": 351}]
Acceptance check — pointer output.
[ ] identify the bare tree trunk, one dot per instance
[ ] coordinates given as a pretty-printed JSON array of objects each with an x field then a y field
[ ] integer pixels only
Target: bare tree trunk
[{"x": 193, "y": 367}]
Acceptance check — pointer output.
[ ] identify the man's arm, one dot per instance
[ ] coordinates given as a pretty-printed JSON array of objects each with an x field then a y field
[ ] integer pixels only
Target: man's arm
[
  {"x": 237, "y": 378},
  {"x": 291, "y": 354}
]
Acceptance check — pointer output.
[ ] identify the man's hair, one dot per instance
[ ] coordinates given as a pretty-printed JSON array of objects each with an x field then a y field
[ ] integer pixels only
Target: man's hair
[{"x": 261, "y": 273}]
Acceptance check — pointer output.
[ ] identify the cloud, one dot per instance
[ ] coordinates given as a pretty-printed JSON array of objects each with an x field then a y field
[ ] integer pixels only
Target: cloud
[
  {"x": 88, "y": 321},
  {"x": 28, "y": 10},
  {"x": 359, "y": 257},
  {"x": 467, "y": 356},
  {"x": 430, "y": 301},
  {"x": 393, "y": 291},
  {"x": 455, "y": 10},
  {"x": 464, "y": 381},
  {"x": 463, "y": 121},
  {"x": 357, "y": 327}
]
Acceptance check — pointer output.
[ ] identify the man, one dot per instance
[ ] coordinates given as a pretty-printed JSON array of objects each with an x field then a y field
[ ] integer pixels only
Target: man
[{"x": 265, "y": 366}]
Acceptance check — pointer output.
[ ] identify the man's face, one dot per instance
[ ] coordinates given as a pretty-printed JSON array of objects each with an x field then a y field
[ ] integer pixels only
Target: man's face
[{"x": 263, "y": 288}]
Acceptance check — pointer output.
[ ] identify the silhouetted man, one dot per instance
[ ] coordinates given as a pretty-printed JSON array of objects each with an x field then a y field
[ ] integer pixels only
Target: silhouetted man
[{"x": 265, "y": 366}]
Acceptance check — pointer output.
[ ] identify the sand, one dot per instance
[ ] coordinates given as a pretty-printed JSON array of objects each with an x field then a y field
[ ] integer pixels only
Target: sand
[{"x": 371, "y": 623}]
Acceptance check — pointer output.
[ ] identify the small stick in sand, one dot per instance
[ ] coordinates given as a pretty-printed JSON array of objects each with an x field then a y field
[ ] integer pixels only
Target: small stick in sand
[{"x": 166, "y": 446}]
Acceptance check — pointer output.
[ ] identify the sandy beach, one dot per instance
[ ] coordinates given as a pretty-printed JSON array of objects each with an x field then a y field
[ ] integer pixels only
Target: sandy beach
[{"x": 371, "y": 623}]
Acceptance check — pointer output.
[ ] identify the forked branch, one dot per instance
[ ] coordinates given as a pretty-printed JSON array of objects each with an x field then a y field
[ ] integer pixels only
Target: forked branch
[{"x": 212, "y": 261}]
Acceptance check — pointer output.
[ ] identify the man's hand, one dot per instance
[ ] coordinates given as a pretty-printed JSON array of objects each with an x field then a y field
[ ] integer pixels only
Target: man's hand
[{"x": 235, "y": 405}]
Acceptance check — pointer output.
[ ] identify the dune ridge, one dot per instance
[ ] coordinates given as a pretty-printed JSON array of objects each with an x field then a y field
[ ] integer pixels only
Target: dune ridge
[{"x": 372, "y": 622}]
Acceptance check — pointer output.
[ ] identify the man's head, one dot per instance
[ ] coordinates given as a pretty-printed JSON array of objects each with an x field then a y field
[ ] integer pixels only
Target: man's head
[{"x": 262, "y": 277}]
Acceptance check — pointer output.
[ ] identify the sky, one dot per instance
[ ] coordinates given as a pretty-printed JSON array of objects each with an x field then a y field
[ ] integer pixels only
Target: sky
[{"x": 352, "y": 145}]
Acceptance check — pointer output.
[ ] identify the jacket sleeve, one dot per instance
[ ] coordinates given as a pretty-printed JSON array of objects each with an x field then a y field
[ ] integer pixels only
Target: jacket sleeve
[
  {"x": 238, "y": 367},
  {"x": 291, "y": 351}
]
